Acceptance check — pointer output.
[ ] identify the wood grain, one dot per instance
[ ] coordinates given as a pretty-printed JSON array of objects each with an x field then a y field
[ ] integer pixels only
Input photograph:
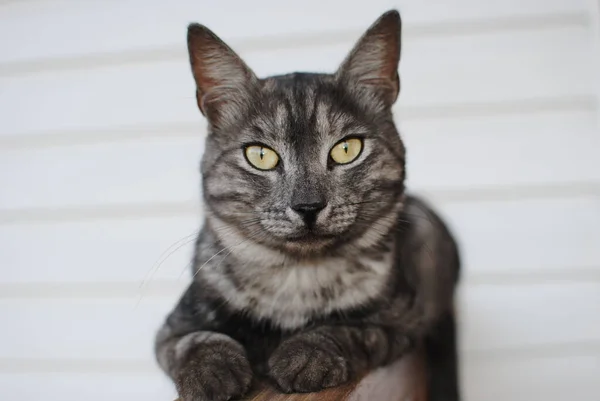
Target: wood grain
[{"x": 401, "y": 381}]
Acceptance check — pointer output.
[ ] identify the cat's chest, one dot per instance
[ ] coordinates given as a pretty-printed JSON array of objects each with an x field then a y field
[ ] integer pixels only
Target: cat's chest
[{"x": 292, "y": 294}]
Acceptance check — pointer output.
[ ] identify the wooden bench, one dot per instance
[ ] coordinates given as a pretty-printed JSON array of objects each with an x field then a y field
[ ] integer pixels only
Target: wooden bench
[{"x": 401, "y": 381}]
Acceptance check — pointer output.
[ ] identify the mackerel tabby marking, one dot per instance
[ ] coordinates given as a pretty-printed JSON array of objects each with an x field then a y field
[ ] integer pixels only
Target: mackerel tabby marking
[{"x": 311, "y": 271}]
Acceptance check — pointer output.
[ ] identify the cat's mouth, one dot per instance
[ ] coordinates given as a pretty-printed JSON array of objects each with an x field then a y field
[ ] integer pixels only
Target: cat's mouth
[
  {"x": 309, "y": 243},
  {"x": 310, "y": 238}
]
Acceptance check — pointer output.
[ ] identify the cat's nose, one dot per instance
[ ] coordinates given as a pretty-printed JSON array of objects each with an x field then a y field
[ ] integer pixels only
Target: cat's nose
[{"x": 309, "y": 211}]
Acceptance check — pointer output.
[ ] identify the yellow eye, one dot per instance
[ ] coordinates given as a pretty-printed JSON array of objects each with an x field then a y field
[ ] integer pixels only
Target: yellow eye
[
  {"x": 346, "y": 151},
  {"x": 262, "y": 158}
]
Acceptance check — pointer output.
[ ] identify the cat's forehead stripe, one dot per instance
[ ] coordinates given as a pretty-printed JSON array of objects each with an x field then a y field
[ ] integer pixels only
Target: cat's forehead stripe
[{"x": 301, "y": 108}]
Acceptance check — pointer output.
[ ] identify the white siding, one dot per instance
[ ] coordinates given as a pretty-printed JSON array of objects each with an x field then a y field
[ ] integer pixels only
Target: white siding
[{"x": 100, "y": 140}]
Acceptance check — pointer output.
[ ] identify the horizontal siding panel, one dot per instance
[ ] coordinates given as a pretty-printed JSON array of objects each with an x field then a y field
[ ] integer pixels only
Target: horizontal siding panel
[
  {"x": 501, "y": 150},
  {"x": 125, "y": 249},
  {"x": 550, "y": 378},
  {"x": 511, "y": 237},
  {"x": 155, "y": 170},
  {"x": 537, "y": 235},
  {"x": 495, "y": 151},
  {"x": 71, "y": 330},
  {"x": 77, "y": 386},
  {"x": 538, "y": 316},
  {"x": 133, "y": 23},
  {"x": 443, "y": 72}
]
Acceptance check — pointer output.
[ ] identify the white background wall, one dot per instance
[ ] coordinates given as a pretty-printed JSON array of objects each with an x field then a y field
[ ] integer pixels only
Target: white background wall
[{"x": 100, "y": 140}]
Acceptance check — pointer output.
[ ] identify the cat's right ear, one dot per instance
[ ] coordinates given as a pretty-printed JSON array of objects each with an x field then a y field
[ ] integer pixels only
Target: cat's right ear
[{"x": 224, "y": 83}]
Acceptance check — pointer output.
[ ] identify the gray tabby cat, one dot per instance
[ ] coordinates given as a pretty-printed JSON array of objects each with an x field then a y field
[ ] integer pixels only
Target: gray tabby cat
[{"x": 312, "y": 265}]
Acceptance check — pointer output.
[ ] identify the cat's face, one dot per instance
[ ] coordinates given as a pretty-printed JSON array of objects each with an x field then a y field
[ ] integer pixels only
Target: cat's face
[{"x": 302, "y": 162}]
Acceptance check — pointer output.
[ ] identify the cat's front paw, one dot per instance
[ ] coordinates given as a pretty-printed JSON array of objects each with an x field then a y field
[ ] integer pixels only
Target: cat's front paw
[
  {"x": 302, "y": 364},
  {"x": 218, "y": 371}
]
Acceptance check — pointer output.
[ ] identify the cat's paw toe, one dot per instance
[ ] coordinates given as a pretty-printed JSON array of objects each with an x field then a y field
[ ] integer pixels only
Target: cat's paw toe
[
  {"x": 297, "y": 366},
  {"x": 214, "y": 374}
]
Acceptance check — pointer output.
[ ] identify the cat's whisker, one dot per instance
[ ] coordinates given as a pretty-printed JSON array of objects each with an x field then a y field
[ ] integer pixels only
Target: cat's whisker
[
  {"x": 209, "y": 259},
  {"x": 149, "y": 278},
  {"x": 218, "y": 253},
  {"x": 162, "y": 258},
  {"x": 192, "y": 261},
  {"x": 190, "y": 240},
  {"x": 187, "y": 266},
  {"x": 375, "y": 202},
  {"x": 154, "y": 266}
]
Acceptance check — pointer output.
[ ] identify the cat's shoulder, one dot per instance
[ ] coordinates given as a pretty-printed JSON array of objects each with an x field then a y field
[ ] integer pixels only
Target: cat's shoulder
[{"x": 422, "y": 218}]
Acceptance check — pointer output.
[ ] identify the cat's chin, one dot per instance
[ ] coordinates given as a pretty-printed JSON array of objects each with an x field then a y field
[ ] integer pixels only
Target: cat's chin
[{"x": 309, "y": 244}]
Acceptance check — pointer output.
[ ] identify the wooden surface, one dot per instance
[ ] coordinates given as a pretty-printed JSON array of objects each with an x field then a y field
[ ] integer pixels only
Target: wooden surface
[{"x": 401, "y": 381}]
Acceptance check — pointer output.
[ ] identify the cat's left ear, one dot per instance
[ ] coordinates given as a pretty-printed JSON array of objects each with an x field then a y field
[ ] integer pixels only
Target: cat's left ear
[
  {"x": 372, "y": 65},
  {"x": 224, "y": 83}
]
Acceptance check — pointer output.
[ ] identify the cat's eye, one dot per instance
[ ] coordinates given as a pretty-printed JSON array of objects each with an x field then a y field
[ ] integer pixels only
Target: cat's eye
[
  {"x": 261, "y": 157},
  {"x": 346, "y": 151}
]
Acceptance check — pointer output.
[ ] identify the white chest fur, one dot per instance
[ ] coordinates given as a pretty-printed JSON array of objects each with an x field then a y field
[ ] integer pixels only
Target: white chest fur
[{"x": 290, "y": 293}]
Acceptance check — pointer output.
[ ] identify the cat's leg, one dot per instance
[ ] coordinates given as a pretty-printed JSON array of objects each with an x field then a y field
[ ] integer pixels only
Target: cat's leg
[
  {"x": 203, "y": 363},
  {"x": 442, "y": 360},
  {"x": 332, "y": 355}
]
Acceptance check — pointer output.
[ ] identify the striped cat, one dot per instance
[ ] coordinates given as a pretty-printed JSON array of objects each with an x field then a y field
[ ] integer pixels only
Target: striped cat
[{"x": 313, "y": 265}]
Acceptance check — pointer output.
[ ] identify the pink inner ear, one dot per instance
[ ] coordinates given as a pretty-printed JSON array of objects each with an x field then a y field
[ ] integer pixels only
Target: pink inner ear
[
  {"x": 223, "y": 80},
  {"x": 373, "y": 62}
]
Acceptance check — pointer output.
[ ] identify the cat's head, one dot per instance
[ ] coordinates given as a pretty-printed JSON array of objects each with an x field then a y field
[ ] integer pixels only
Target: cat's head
[{"x": 302, "y": 162}]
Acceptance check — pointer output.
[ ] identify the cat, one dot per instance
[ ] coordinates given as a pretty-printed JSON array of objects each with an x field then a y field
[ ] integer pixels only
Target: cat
[{"x": 313, "y": 264}]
